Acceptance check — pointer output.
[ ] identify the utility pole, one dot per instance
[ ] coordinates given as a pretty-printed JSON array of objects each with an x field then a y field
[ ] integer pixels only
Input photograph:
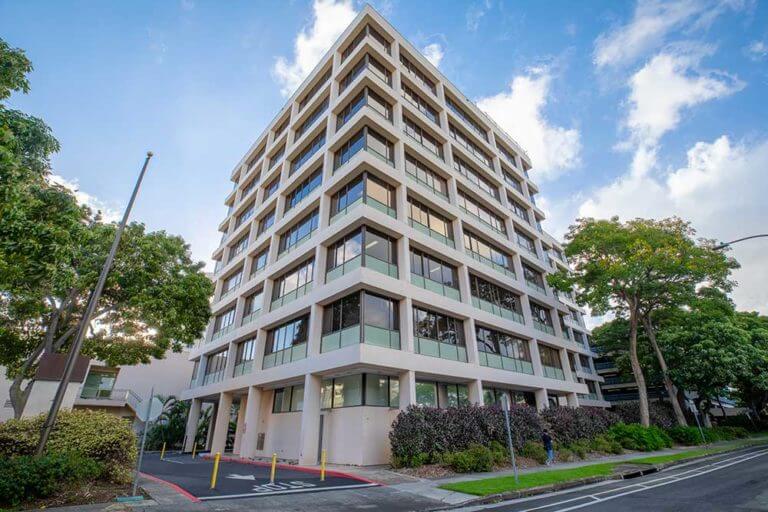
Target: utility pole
[{"x": 82, "y": 329}]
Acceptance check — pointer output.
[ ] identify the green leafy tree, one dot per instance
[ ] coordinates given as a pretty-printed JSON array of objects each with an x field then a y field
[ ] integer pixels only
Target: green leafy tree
[
  {"x": 635, "y": 269},
  {"x": 751, "y": 387},
  {"x": 170, "y": 426},
  {"x": 51, "y": 253}
]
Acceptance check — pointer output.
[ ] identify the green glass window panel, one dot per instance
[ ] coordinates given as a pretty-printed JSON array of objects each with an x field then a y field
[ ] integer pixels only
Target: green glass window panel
[
  {"x": 334, "y": 273},
  {"x": 298, "y": 352},
  {"x": 381, "y": 337},
  {"x": 428, "y": 347},
  {"x": 269, "y": 361},
  {"x": 494, "y": 361},
  {"x": 452, "y": 293},
  {"x": 381, "y": 266},
  {"x": 433, "y": 286},
  {"x": 350, "y": 336},
  {"x": 330, "y": 342}
]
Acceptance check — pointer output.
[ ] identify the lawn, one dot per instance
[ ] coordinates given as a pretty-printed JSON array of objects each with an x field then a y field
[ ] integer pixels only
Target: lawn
[
  {"x": 488, "y": 486},
  {"x": 496, "y": 485}
]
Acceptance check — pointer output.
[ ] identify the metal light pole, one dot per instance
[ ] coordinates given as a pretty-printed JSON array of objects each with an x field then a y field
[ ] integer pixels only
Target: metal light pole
[
  {"x": 726, "y": 244},
  {"x": 143, "y": 442},
  {"x": 77, "y": 344},
  {"x": 505, "y": 406}
]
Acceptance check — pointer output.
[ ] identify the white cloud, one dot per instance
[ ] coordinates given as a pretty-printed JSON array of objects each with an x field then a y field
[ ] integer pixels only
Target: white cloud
[
  {"x": 757, "y": 50},
  {"x": 720, "y": 190},
  {"x": 669, "y": 83},
  {"x": 475, "y": 13},
  {"x": 434, "y": 53},
  {"x": 519, "y": 110},
  {"x": 331, "y": 17},
  {"x": 651, "y": 22},
  {"x": 109, "y": 213}
]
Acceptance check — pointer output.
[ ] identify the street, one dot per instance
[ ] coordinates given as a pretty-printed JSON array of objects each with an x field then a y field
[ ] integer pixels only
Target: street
[{"x": 723, "y": 483}]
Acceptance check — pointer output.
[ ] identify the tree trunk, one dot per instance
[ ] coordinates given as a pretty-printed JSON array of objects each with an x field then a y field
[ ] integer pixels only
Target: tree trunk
[
  {"x": 19, "y": 396},
  {"x": 722, "y": 408},
  {"x": 668, "y": 384},
  {"x": 637, "y": 370}
]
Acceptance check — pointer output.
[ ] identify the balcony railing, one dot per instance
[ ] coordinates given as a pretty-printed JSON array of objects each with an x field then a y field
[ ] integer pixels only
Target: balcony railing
[
  {"x": 434, "y": 348},
  {"x": 505, "y": 363},
  {"x": 552, "y": 372},
  {"x": 498, "y": 310},
  {"x": 290, "y": 296},
  {"x": 371, "y": 335},
  {"x": 418, "y": 226},
  {"x": 434, "y": 286},
  {"x": 381, "y": 266},
  {"x": 489, "y": 262},
  {"x": 285, "y": 356},
  {"x": 374, "y": 203},
  {"x": 541, "y": 326}
]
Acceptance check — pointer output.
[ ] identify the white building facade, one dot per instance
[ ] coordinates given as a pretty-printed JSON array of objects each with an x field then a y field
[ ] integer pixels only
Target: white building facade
[{"x": 382, "y": 249}]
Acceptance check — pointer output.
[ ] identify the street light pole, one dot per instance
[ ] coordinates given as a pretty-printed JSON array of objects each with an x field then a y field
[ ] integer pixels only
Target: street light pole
[
  {"x": 77, "y": 344},
  {"x": 726, "y": 244}
]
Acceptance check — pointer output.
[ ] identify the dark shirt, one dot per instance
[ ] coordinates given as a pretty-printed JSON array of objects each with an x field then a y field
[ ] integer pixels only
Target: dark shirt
[{"x": 547, "y": 440}]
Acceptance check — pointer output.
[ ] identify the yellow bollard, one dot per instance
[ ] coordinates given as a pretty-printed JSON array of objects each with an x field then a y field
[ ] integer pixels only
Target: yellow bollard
[
  {"x": 162, "y": 452},
  {"x": 274, "y": 467},
  {"x": 322, "y": 465},
  {"x": 215, "y": 469},
  {"x": 194, "y": 449}
]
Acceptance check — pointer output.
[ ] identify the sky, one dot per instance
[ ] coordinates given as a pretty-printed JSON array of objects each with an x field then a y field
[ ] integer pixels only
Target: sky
[{"x": 636, "y": 109}]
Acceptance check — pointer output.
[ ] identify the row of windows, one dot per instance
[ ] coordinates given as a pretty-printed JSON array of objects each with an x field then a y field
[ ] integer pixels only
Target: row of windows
[
  {"x": 361, "y": 389},
  {"x": 377, "y": 245},
  {"x": 420, "y": 103},
  {"x": 367, "y": 30},
  {"x": 423, "y": 137},
  {"x": 307, "y": 153},
  {"x": 470, "y": 146},
  {"x": 367, "y": 62},
  {"x": 466, "y": 118},
  {"x": 294, "y": 280},
  {"x": 304, "y": 189},
  {"x": 300, "y": 231},
  {"x": 481, "y": 212},
  {"x": 366, "y": 139},
  {"x": 310, "y": 120},
  {"x": 361, "y": 308},
  {"x": 475, "y": 177}
]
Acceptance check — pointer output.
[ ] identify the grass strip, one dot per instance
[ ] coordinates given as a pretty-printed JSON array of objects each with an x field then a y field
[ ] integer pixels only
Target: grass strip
[{"x": 496, "y": 485}]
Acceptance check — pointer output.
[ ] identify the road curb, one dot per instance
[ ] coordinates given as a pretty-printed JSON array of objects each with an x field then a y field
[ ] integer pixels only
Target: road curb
[{"x": 625, "y": 475}]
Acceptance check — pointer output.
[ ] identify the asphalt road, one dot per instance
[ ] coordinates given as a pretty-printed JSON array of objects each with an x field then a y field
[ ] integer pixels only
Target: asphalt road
[
  {"x": 239, "y": 480},
  {"x": 729, "y": 482}
]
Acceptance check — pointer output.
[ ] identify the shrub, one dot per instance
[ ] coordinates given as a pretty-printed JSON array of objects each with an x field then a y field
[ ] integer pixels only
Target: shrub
[
  {"x": 100, "y": 436},
  {"x": 605, "y": 444},
  {"x": 661, "y": 413},
  {"x": 688, "y": 436},
  {"x": 566, "y": 455},
  {"x": 477, "y": 458},
  {"x": 637, "y": 437},
  {"x": 534, "y": 451},
  {"x": 743, "y": 421},
  {"x": 725, "y": 433},
  {"x": 24, "y": 477},
  {"x": 571, "y": 424},
  {"x": 433, "y": 431}
]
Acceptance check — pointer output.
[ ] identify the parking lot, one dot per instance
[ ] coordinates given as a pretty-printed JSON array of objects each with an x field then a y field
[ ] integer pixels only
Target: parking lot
[{"x": 238, "y": 479}]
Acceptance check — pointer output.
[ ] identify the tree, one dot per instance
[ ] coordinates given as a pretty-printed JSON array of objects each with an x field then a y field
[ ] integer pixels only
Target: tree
[
  {"x": 170, "y": 426},
  {"x": 51, "y": 253},
  {"x": 751, "y": 387},
  {"x": 635, "y": 268}
]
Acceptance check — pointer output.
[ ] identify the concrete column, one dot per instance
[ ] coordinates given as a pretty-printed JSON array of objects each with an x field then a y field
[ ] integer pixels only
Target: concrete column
[
  {"x": 566, "y": 364},
  {"x": 533, "y": 347},
  {"x": 406, "y": 325},
  {"x": 401, "y": 201},
  {"x": 192, "y": 420},
  {"x": 473, "y": 357},
  {"x": 221, "y": 422},
  {"x": 240, "y": 426},
  {"x": 475, "y": 388},
  {"x": 465, "y": 287},
  {"x": 315, "y": 330},
  {"x": 407, "y": 389},
  {"x": 542, "y": 401},
  {"x": 310, "y": 421},
  {"x": 211, "y": 426},
  {"x": 573, "y": 399},
  {"x": 251, "y": 422}
]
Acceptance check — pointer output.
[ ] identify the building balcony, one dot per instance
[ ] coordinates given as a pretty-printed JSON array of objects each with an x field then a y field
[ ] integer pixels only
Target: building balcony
[
  {"x": 371, "y": 335},
  {"x": 285, "y": 356},
  {"x": 505, "y": 363},
  {"x": 435, "y": 348}
]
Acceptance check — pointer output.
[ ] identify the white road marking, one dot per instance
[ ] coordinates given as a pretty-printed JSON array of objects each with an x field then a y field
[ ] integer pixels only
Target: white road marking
[
  {"x": 685, "y": 475},
  {"x": 171, "y": 460},
  {"x": 290, "y": 491}
]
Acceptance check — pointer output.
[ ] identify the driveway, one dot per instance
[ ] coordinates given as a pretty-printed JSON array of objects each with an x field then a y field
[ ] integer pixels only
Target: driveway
[{"x": 238, "y": 479}]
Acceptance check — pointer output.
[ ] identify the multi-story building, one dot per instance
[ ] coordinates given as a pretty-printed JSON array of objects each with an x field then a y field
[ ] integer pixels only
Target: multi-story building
[{"x": 382, "y": 248}]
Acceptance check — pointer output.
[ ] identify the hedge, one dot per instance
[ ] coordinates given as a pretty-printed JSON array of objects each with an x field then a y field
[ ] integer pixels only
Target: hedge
[
  {"x": 25, "y": 478},
  {"x": 638, "y": 437},
  {"x": 102, "y": 437},
  {"x": 422, "y": 434},
  {"x": 661, "y": 413},
  {"x": 570, "y": 424}
]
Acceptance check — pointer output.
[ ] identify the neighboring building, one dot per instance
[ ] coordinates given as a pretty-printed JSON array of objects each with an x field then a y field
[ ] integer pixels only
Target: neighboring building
[
  {"x": 119, "y": 390},
  {"x": 382, "y": 248}
]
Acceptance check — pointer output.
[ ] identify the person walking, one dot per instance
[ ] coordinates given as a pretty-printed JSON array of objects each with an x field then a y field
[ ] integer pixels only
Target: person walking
[{"x": 546, "y": 439}]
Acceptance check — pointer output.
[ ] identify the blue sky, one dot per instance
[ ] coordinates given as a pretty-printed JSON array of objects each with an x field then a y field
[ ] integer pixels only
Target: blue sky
[{"x": 628, "y": 108}]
